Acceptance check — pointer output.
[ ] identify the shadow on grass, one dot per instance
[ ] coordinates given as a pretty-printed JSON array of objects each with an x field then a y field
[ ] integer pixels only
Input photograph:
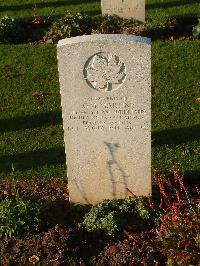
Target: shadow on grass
[
  {"x": 54, "y": 4},
  {"x": 171, "y": 4},
  {"x": 22, "y": 21},
  {"x": 176, "y": 136},
  {"x": 32, "y": 159},
  {"x": 32, "y": 121}
]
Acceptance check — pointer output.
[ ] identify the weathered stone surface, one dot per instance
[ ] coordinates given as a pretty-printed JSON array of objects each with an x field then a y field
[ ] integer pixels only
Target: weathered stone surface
[
  {"x": 106, "y": 95},
  {"x": 124, "y": 8}
]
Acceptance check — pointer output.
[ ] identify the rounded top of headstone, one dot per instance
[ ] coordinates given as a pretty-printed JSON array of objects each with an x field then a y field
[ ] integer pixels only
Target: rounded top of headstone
[{"x": 102, "y": 37}]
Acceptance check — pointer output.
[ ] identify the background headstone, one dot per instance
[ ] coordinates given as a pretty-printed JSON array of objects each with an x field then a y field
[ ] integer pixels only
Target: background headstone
[
  {"x": 124, "y": 8},
  {"x": 106, "y": 106}
]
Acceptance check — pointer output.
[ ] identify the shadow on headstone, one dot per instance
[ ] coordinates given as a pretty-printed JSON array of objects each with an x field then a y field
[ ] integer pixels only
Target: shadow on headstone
[{"x": 114, "y": 165}]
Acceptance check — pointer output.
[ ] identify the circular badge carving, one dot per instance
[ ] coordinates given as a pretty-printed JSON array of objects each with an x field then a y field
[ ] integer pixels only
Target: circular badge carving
[{"x": 104, "y": 72}]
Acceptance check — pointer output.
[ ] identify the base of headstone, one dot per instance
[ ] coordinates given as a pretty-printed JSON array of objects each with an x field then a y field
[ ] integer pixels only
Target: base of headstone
[{"x": 134, "y": 9}]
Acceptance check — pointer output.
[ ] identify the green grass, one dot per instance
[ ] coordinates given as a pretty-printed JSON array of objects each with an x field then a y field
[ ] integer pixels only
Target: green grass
[
  {"x": 156, "y": 9},
  {"x": 173, "y": 8},
  {"x": 176, "y": 116},
  {"x": 23, "y": 8},
  {"x": 31, "y": 135}
]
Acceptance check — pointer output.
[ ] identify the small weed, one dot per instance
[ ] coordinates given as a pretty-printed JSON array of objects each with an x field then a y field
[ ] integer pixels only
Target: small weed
[
  {"x": 7, "y": 29},
  {"x": 112, "y": 216},
  {"x": 196, "y": 29},
  {"x": 38, "y": 20},
  {"x": 156, "y": 22},
  {"x": 19, "y": 216}
]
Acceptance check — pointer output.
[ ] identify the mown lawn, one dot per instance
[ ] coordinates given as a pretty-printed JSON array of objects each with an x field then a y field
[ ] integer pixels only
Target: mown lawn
[
  {"x": 31, "y": 134},
  {"x": 23, "y": 8},
  {"x": 176, "y": 116},
  {"x": 31, "y": 142},
  {"x": 156, "y": 9}
]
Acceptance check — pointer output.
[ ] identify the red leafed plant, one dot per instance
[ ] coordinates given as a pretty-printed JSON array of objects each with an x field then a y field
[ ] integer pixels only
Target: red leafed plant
[
  {"x": 38, "y": 20},
  {"x": 178, "y": 232}
]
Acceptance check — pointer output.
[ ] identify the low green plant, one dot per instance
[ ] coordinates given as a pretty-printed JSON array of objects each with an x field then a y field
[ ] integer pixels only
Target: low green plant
[
  {"x": 109, "y": 24},
  {"x": 157, "y": 22},
  {"x": 7, "y": 29},
  {"x": 19, "y": 216},
  {"x": 69, "y": 26},
  {"x": 113, "y": 24},
  {"x": 196, "y": 29},
  {"x": 77, "y": 24},
  {"x": 111, "y": 216}
]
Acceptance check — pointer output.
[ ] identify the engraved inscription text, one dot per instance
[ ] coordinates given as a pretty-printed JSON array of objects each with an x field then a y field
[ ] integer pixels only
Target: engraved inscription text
[{"x": 107, "y": 113}]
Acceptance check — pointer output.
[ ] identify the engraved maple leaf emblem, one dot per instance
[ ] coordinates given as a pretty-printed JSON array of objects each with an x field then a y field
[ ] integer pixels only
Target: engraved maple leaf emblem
[{"x": 105, "y": 73}]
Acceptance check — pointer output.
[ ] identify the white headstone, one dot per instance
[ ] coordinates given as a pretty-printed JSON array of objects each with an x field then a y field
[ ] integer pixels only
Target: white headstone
[
  {"x": 124, "y": 8},
  {"x": 106, "y": 106}
]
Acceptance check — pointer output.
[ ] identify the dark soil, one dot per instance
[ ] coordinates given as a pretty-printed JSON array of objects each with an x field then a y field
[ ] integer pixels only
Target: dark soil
[
  {"x": 64, "y": 240},
  {"x": 46, "y": 190}
]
